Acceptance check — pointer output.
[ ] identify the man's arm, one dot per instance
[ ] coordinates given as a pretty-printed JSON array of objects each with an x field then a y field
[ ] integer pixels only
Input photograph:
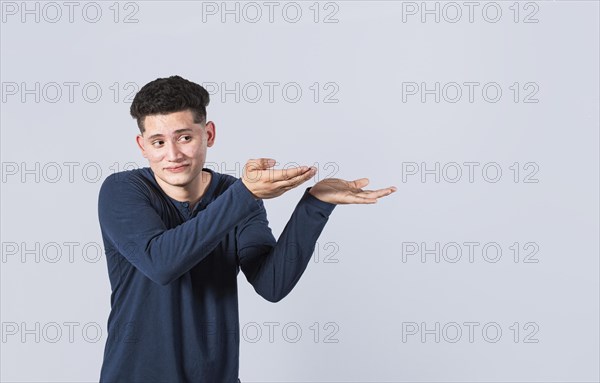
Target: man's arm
[
  {"x": 274, "y": 267},
  {"x": 135, "y": 229}
]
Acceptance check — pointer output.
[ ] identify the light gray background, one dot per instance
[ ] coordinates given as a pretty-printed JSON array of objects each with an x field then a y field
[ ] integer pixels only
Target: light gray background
[{"x": 370, "y": 294}]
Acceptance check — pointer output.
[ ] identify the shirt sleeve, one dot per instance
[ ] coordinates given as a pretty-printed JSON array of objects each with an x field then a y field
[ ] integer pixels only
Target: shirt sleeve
[
  {"x": 133, "y": 226},
  {"x": 274, "y": 267}
]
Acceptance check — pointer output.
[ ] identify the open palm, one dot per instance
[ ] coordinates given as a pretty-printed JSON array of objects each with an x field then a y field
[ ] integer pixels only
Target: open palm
[{"x": 339, "y": 191}]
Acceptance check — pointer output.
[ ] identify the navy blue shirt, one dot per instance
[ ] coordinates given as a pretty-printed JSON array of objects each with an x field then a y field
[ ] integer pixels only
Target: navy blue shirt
[{"x": 173, "y": 273}]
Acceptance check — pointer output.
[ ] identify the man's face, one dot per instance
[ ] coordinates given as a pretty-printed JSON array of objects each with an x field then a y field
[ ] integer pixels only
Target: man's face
[{"x": 175, "y": 147}]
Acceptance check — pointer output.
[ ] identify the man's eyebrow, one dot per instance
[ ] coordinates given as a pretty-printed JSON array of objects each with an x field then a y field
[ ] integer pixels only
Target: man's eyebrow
[{"x": 157, "y": 135}]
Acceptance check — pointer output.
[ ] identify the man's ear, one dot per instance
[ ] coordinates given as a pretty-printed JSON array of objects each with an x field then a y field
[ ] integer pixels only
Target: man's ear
[
  {"x": 211, "y": 133},
  {"x": 140, "y": 141}
]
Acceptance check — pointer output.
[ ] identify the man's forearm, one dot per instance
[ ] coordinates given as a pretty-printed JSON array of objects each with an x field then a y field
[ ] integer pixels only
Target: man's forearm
[{"x": 274, "y": 269}]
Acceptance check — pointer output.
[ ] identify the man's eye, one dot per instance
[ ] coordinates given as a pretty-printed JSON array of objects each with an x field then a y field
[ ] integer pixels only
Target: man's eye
[
  {"x": 187, "y": 138},
  {"x": 157, "y": 143}
]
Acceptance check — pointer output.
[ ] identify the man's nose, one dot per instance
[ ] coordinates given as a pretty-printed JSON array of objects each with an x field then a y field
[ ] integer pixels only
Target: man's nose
[{"x": 173, "y": 153}]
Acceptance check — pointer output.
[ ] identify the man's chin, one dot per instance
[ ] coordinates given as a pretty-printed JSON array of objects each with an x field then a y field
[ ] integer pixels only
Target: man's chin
[{"x": 177, "y": 179}]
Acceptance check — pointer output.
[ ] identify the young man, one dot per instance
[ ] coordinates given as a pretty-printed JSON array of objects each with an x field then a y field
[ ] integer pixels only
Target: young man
[{"x": 176, "y": 235}]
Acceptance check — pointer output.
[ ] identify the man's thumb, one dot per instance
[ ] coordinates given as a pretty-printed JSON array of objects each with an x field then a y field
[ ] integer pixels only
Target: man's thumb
[
  {"x": 361, "y": 182},
  {"x": 266, "y": 163}
]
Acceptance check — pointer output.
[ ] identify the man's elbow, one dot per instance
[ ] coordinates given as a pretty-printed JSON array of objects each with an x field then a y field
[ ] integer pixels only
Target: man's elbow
[
  {"x": 274, "y": 296},
  {"x": 157, "y": 270},
  {"x": 161, "y": 277}
]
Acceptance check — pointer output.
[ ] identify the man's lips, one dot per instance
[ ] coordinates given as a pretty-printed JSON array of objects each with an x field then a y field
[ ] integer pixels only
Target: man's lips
[{"x": 177, "y": 167}]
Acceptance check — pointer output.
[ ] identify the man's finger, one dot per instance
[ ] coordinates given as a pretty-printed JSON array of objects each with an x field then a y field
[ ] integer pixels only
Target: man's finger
[
  {"x": 357, "y": 199},
  {"x": 261, "y": 163},
  {"x": 287, "y": 174},
  {"x": 360, "y": 183},
  {"x": 252, "y": 164},
  {"x": 375, "y": 193},
  {"x": 298, "y": 180}
]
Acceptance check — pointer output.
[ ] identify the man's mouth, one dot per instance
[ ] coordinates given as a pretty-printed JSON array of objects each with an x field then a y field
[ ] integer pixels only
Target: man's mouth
[{"x": 177, "y": 168}]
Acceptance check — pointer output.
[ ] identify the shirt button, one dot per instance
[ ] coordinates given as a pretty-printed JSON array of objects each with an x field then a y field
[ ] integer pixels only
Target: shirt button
[{"x": 186, "y": 204}]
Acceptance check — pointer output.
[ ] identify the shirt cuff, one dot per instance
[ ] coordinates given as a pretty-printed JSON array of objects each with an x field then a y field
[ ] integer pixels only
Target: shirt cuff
[
  {"x": 241, "y": 189},
  {"x": 326, "y": 207}
]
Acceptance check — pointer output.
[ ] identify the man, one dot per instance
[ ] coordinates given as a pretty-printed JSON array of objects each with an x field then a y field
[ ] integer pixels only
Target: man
[{"x": 176, "y": 235}]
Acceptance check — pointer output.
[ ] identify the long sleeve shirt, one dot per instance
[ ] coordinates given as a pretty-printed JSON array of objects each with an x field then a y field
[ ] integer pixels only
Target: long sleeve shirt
[{"x": 173, "y": 273}]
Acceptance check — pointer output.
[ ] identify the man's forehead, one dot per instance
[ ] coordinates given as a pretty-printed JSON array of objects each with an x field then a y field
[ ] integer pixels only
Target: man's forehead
[
  {"x": 182, "y": 117},
  {"x": 170, "y": 124}
]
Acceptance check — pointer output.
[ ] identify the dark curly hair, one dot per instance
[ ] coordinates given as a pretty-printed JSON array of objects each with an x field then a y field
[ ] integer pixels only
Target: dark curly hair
[{"x": 169, "y": 95}]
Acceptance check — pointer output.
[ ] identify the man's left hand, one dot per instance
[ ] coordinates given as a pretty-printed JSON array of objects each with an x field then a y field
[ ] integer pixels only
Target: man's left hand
[{"x": 338, "y": 191}]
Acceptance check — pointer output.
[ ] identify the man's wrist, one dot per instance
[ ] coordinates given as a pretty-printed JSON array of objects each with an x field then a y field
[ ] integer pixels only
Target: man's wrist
[
  {"x": 318, "y": 201},
  {"x": 248, "y": 190}
]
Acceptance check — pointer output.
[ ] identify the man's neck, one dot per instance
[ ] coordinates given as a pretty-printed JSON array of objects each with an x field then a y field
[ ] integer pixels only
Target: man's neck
[{"x": 192, "y": 194}]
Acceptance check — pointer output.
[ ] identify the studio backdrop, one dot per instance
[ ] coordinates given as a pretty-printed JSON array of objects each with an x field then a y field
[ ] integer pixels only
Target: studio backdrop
[{"x": 483, "y": 266}]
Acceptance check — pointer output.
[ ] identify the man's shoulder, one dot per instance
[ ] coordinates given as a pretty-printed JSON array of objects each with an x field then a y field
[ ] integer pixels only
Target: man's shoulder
[
  {"x": 223, "y": 181},
  {"x": 140, "y": 178},
  {"x": 224, "y": 178},
  {"x": 143, "y": 174}
]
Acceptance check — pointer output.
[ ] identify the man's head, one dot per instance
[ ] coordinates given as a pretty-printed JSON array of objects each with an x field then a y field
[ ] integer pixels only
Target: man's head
[
  {"x": 168, "y": 95},
  {"x": 171, "y": 116}
]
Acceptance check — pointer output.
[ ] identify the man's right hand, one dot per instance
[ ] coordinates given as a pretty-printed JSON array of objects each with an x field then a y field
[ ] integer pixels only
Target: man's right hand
[{"x": 265, "y": 183}]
